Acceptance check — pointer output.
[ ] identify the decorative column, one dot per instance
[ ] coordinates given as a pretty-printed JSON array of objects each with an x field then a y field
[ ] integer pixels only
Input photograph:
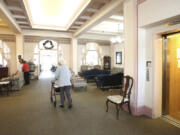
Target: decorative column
[
  {"x": 112, "y": 55},
  {"x": 131, "y": 48},
  {"x": 73, "y": 55},
  {"x": 19, "y": 48}
]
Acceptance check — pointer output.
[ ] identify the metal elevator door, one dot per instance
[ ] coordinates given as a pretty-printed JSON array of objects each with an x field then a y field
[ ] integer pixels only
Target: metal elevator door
[{"x": 171, "y": 75}]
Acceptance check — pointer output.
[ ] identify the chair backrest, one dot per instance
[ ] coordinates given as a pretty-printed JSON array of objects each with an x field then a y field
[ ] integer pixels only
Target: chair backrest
[{"x": 127, "y": 86}]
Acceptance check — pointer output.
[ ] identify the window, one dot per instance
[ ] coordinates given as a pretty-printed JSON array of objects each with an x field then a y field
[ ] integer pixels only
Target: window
[
  {"x": 4, "y": 54},
  {"x": 92, "y": 58},
  {"x": 91, "y": 54}
]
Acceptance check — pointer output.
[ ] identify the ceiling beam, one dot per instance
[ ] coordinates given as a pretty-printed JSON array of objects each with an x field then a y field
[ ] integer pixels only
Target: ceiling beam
[
  {"x": 92, "y": 10},
  {"x": 102, "y": 1},
  {"x": 104, "y": 12},
  {"x": 76, "y": 27},
  {"x": 25, "y": 12},
  {"x": 19, "y": 16},
  {"x": 25, "y": 27},
  {"x": 20, "y": 22},
  {"x": 114, "y": 20},
  {"x": 8, "y": 19},
  {"x": 85, "y": 17},
  {"x": 78, "y": 22},
  {"x": 13, "y": 8}
]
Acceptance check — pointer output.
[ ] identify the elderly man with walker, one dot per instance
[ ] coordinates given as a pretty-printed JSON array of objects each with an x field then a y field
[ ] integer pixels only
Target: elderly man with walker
[{"x": 63, "y": 81}]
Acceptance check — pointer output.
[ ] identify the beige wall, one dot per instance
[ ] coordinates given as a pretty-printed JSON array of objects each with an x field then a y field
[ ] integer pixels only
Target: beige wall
[
  {"x": 150, "y": 49},
  {"x": 29, "y": 50},
  {"x": 152, "y": 11},
  {"x": 66, "y": 53}
]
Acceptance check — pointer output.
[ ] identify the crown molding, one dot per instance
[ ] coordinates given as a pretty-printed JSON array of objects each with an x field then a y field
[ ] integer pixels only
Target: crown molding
[{"x": 39, "y": 38}]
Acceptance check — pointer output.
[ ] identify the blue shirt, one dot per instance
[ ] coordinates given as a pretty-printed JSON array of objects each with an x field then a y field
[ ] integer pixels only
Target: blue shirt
[{"x": 63, "y": 76}]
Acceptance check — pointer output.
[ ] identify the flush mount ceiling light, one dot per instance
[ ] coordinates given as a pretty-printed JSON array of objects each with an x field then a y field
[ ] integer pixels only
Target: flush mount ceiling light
[{"x": 54, "y": 14}]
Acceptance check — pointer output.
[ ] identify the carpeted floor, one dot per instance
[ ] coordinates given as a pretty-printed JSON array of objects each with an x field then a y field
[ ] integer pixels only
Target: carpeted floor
[{"x": 30, "y": 112}]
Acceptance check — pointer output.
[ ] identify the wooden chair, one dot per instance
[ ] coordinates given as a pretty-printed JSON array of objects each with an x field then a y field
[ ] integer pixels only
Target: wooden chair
[{"x": 123, "y": 97}]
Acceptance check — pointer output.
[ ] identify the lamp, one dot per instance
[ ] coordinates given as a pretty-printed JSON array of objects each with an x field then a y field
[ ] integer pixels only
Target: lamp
[{"x": 117, "y": 39}]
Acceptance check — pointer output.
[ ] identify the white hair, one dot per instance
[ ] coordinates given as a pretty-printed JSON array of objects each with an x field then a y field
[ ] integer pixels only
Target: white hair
[{"x": 62, "y": 62}]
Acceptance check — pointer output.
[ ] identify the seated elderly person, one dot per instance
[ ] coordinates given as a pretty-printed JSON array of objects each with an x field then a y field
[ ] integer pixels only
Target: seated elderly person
[{"x": 62, "y": 79}]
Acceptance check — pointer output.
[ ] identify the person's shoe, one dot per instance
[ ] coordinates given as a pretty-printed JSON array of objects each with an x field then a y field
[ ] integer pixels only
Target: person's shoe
[
  {"x": 70, "y": 106},
  {"x": 62, "y": 106}
]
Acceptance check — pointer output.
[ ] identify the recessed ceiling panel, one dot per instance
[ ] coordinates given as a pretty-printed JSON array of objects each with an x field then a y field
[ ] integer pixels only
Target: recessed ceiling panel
[{"x": 54, "y": 14}]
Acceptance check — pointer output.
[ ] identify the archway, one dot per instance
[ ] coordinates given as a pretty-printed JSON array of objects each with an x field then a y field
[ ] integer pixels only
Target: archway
[{"x": 46, "y": 54}]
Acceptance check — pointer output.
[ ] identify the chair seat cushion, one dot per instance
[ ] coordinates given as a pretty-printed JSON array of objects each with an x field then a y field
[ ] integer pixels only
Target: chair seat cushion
[{"x": 116, "y": 99}]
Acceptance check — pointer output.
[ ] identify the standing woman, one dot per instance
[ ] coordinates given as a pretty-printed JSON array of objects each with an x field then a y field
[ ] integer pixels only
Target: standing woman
[{"x": 25, "y": 69}]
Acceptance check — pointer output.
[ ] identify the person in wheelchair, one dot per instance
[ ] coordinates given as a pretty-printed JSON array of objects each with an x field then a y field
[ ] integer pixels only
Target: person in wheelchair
[{"x": 62, "y": 79}]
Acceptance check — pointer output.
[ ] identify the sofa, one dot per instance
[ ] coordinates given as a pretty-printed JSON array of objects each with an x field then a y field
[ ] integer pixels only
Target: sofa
[
  {"x": 91, "y": 74},
  {"x": 109, "y": 81},
  {"x": 116, "y": 70}
]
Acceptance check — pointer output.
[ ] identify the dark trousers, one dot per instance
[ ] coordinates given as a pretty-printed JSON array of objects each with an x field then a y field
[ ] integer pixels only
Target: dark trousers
[
  {"x": 26, "y": 78},
  {"x": 65, "y": 89}
]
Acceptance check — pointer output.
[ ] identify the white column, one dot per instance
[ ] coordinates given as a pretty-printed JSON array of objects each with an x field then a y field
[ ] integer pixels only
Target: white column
[
  {"x": 73, "y": 55},
  {"x": 19, "y": 47},
  {"x": 142, "y": 70},
  {"x": 130, "y": 46}
]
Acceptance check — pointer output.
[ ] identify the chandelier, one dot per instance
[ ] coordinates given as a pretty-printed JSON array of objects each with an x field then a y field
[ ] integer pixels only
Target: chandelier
[{"x": 116, "y": 39}]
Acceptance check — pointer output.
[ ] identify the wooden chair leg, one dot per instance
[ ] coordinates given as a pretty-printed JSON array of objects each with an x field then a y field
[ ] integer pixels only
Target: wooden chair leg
[
  {"x": 117, "y": 108},
  {"x": 107, "y": 107},
  {"x": 129, "y": 107}
]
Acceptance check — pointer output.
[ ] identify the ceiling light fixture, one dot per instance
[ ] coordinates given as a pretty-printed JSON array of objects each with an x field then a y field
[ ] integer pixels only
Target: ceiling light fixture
[
  {"x": 116, "y": 40},
  {"x": 54, "y": 14}
]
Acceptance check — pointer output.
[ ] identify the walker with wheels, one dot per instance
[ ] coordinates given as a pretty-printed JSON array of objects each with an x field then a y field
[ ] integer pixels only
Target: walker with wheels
[{"x": 55, "y": 90}]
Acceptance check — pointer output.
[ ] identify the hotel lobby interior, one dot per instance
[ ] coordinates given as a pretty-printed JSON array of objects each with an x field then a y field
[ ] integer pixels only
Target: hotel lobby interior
[{"x": 124, "y": 58}]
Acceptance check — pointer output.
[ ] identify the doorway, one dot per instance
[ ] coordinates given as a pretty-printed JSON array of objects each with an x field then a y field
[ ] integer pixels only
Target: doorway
[
  {"x": 48, "y": 58},
  {"x": 171, "y": 76},
  {"x": 46, "y": 54}
]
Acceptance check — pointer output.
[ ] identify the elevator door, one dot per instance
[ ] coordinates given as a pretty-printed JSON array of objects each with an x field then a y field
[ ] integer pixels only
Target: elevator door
[{"x": 173, "y": 76}]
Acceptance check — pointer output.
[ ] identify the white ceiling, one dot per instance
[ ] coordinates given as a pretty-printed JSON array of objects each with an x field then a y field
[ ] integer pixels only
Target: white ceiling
[
  {"x": 44, "y": 15},
  {"x": 54, "y": 15},
  {"x": 108, "y": 26}
]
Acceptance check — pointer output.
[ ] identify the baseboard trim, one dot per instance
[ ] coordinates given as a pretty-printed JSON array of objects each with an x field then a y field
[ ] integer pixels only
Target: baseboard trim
[{"x": 143, "y": 110}]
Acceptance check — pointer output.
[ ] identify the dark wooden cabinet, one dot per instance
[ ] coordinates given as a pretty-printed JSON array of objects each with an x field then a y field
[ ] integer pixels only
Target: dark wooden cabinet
[
  {"x": 107, "y": 62},
  {"x": 3, "y": 72}
]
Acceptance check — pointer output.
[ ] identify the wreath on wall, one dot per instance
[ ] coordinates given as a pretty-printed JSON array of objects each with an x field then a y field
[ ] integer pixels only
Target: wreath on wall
[{"x": 48, "y": 46}]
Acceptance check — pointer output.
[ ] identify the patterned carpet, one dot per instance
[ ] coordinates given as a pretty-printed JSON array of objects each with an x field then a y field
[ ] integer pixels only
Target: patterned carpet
[{"x": 30, "y": 112}]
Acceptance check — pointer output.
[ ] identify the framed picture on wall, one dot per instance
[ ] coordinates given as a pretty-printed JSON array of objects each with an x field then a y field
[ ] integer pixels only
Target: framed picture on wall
[{"x": 118, "y": 57}]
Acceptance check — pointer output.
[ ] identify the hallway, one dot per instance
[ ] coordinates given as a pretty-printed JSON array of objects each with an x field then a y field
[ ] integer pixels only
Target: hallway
[{"x": 30, "y": 112}]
